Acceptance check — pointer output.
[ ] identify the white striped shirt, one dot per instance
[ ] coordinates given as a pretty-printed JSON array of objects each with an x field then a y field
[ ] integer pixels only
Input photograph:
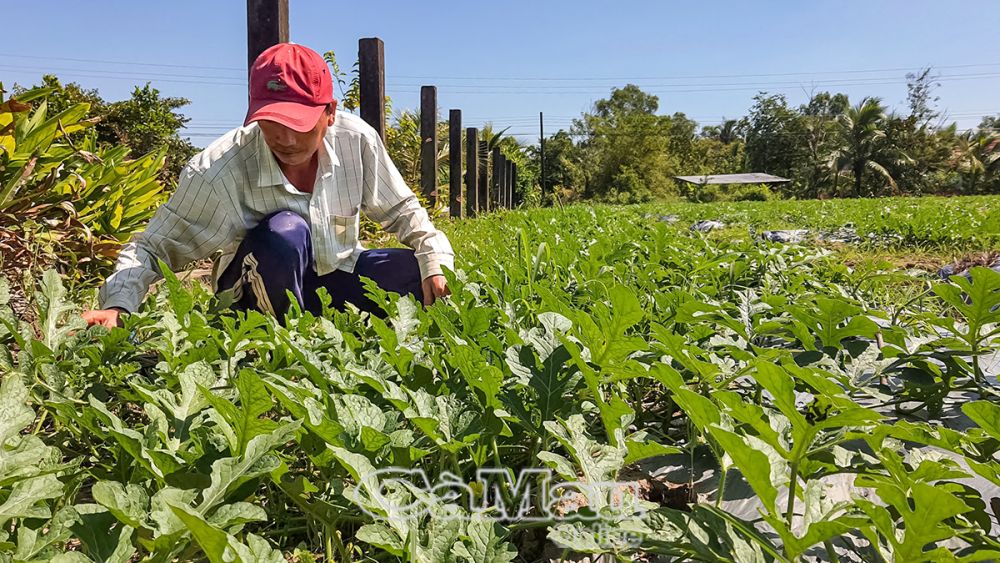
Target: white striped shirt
[{"x": 231, "y": 185}]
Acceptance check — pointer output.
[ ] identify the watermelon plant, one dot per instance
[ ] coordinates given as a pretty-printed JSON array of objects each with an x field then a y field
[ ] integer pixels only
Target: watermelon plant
[{"x": 527, "y": 417}]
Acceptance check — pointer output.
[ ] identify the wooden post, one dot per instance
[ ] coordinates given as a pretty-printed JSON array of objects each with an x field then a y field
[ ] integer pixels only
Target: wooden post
[
  {"x": 510, "y": 199},
  {"x": 509, "y": 179},
  {"x": 267, "y": 25},
  {"x": 502, "y": 197},
  {"x": 541, "y": 141},
  {"x": 428, "y": 144},
  {"x": 484, "y": 184},
  {"x": 371, "y": 78},
  {"x": 495, "y": 188},
  {"x": 471, "y": 172},
  {"x": 515, "y": 198},
  {"x": 504, "y": 170},
  {"x": 455, "y": 163}
]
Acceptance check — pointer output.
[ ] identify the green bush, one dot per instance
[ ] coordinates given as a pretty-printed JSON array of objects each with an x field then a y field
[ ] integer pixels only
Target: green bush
[
  {"x": 713, "y": 193},
  {"x": 752, "y": 192},
  {"x": 82, "y": 197},
  {"x": 628, "y": 186},
  {"x": 704, "y": 194}
]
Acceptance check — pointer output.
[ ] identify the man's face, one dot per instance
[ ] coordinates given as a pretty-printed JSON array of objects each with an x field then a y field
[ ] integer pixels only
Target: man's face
[{"x": 291, "y": 147}]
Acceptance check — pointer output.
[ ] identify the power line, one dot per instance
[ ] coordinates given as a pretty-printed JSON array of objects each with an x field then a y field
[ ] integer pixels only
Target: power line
[
  {"x": 706, "y": 76},
  {"x": 225, "y": 126},
  {"x": 841, "y": 81},
  {"x": 536, "y": 78},
  {"x": 135, "y": 63},
  {"x": 763, "y": 88},
  {"x": 536, "y": 90},
  {"x": 499, "y": 89},
  {"x": 122, "y": 73},
  {"x": 87, "y": 74}
]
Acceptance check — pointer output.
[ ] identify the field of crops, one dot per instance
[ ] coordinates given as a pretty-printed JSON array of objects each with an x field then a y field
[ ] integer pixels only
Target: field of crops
[
  {"x": 603, "y": 380},
  {"x": 929, "y": 223}
]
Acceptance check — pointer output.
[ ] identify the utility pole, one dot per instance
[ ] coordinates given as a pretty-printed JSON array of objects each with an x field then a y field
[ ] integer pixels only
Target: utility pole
[{"x": 541, "y": 137}]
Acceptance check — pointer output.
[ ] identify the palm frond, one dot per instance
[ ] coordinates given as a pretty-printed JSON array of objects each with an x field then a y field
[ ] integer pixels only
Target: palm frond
[{"x": 881, "y": 171}]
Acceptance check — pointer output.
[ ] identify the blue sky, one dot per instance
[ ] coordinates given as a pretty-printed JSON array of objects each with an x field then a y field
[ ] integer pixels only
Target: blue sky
[{"x": 504, "y": 62}]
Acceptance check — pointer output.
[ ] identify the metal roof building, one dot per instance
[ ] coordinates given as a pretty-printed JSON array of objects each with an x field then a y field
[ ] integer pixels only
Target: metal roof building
[{"x": 750, "y": 178}]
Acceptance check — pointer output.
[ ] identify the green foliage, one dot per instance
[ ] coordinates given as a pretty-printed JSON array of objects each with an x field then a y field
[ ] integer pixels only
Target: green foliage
[
  {"x": 80, "y": 198},
  {"x": 146, "y": 122},
  {"x": 753, "y": 192},
  {"x": 350, "y": 97},
  {"x": 862, "y": 148},
  {"x": 596, "y": 339},
  {"x": 149, "y": 123},
  {"x": 739, "y": 192},
  {"x": 626, "y": 146},
  {"x": 624, "y": 151},
  {"x": 773, "y": 136},
  {"x": 977, "y": 159}
]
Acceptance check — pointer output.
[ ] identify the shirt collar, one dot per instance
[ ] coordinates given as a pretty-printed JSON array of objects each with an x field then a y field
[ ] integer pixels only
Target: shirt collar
[
  {"x": 327, "y": 165},
  {"x": 269, "y": 173}
]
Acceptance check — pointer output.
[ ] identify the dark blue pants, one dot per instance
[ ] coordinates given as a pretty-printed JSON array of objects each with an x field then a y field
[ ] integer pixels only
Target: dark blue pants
[{"x": 276, "y": 256}]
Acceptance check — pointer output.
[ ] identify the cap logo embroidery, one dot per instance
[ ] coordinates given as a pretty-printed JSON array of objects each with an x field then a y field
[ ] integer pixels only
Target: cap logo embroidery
[{"x": 276, "y": 85}]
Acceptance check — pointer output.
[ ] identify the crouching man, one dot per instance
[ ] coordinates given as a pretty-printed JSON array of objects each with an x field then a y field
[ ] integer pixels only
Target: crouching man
[{"x": 282, "y": 197}]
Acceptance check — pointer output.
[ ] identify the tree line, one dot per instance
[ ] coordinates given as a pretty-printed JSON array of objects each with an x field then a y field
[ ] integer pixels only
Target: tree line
[
  {"x": 624, "y": 151},
  {"x": 146, "y": 122}
]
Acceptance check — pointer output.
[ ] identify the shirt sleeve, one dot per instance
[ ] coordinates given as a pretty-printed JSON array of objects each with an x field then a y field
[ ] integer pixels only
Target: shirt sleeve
[
  {"x": 193, "y": 223},
  {"x": 388, "y": 201}
]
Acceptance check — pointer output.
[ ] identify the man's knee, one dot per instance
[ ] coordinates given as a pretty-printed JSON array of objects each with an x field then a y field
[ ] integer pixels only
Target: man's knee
[
  {"x": 393, "y": 269},
  {"x": 390, "y": 262},
  {"x": 284, "y": 230}
]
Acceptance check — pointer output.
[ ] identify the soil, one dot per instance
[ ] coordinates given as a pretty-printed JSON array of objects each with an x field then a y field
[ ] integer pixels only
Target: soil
[
  {"x": 678, "y": 496},
  {"x": 931, "y": 263},
  {"x": 987, "y": 259},
  {"x": 15, "y": 259}
]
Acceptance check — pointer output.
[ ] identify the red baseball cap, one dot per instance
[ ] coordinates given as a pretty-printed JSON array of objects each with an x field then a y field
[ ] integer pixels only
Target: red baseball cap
[{"x": 289, "y": 84}]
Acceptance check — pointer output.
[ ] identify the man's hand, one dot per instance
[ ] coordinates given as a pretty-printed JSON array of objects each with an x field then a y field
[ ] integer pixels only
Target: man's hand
[
  {"x": 434, "y": 286},
  {"x": 105, "y": 317}
]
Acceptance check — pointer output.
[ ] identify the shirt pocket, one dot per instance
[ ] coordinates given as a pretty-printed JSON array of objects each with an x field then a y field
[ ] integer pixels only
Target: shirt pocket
[{"x": 345, "y": 233}]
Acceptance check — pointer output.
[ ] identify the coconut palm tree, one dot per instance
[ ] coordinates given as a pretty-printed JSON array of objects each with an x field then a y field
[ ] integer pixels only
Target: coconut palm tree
[
  {"x": 862, "y": 144},
  {"x": 726, "y": 133},
  {"x": 403, "y": 143},
  {"x": 977, "y": 158}
]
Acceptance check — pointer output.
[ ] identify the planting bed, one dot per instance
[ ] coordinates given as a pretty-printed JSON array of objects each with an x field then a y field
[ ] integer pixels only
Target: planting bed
[{"x": 767, "y": 401}]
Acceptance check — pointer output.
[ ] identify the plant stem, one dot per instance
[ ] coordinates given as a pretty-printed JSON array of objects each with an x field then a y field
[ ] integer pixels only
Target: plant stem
[
  {"x": 536, "y": 444},
  {"x": 791, "y": 492},
  {"x": 531, "y": 524},
  {"x": 977, "y": 373},
  {"x": 722, "y": 486},
  {"x": 339, "y": 544},
  {"x": 832, "y": 553},
  {"x": 496, "y": 453},
  {"x": 41, "y": 420},
  {"x": 499, "y": 465},
  {"x": 285, "y": 532}
]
